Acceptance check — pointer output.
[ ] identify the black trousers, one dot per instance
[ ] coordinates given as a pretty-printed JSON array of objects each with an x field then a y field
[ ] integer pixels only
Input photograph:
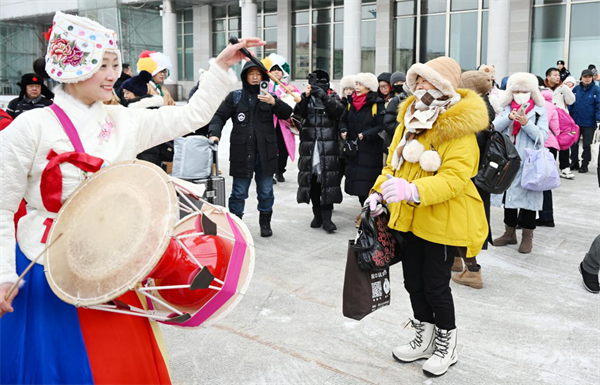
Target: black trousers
[
  {"x": 587, "y": 136},
  {"x": 426, "y": 268},
  {"x": 362, "y": 200},
  {"x": 563, "y": 159},
  {"x": 282, "y": 152},
  {"x": 315, "y": 195},
  {"x": 547, "y": 213},
  {"x": 526, "y": 218}
]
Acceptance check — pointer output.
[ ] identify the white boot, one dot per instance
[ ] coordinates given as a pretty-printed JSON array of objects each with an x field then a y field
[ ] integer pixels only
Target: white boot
[
  {"x": 445, "y": 353},
  {"x": 420, "y": 347}
]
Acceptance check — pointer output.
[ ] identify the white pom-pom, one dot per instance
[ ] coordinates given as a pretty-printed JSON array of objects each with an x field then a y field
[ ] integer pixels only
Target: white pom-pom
[
  {"x": 412, "y": 151},
  {"x": 430, "y": 161}
]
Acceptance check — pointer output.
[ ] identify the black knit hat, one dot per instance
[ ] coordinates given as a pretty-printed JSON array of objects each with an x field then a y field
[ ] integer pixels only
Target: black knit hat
[
  {"x": 137, "y": 84},
  {"x": 385, "y": 76},
  {"x": 28, "y": 79}
]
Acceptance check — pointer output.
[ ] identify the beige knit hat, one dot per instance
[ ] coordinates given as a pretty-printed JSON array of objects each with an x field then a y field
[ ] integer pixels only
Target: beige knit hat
[
  {"x": 443, "y": 72},
  {"x": 477, "y": 81}
]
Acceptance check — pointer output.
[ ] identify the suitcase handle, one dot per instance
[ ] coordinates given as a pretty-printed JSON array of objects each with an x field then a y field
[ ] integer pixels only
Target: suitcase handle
[{"x": 214, "y": 171}]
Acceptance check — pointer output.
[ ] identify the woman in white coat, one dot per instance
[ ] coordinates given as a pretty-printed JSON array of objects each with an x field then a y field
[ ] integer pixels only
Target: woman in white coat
[
  {"x": 43, "y": 339},
  {"x": 527, "y": 130}
]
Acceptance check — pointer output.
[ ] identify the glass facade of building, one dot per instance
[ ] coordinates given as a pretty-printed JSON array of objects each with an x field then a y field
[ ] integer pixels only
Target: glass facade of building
[
  {"x": 185, "y": 44},
  {"x": 565, "y": 30},
  {"x": 266, "y": 26}
]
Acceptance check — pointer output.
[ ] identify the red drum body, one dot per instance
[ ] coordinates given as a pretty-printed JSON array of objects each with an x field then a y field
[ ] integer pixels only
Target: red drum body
[{"x": 120, "y": 232}]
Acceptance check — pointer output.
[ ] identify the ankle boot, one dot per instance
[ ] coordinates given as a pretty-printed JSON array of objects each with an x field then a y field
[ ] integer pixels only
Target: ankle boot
[
  {"x": 458, "y": 264},
  {"x": 469, "y": 278},
  {"x": 422, "y": 346},
  {"x": 328, "y": 225},
  {"x": 526, "y": 242},
  {"x": 445, "y": 354},
  {"x": 317, "y": 218},
  {"x": 508, "y": 238},
  {"x": 264, "y": 221}
]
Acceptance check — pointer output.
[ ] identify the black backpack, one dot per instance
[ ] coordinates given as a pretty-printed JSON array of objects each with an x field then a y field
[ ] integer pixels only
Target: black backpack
[{"x": 499, "y": 165}]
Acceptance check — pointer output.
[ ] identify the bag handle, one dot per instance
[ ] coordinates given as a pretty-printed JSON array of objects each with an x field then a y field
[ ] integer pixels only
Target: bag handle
[
  {"x": 67, "y": 125},
  {"x": 365, "y": 218}
]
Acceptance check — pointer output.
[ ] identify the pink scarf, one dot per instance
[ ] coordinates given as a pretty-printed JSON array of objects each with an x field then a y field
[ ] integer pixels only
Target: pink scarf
[{"x": 515, "y": 106}]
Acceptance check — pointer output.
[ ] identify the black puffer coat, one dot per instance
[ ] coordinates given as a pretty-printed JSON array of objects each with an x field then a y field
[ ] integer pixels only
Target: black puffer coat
[
  {"x": 253, "y": 130},
  {"x": 320, "y": 126},
  {"x": 390, "y": 121},
  {"x": 362, "y": 171}
]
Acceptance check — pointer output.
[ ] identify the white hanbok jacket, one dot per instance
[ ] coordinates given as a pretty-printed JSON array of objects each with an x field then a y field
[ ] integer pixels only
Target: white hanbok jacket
[{"x": 111, "y": 132}]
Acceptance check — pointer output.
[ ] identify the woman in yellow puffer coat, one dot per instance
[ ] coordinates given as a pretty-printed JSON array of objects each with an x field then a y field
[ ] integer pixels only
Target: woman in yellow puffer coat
[{"x": 432, "y": 201}]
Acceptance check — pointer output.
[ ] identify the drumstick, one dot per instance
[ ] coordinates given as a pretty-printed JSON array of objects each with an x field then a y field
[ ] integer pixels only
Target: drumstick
[
  {"x": 14, "y": 285},
  {"x": 234, "y": 40}
]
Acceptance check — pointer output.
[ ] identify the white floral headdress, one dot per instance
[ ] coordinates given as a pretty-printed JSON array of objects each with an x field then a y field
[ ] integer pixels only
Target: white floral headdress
[{"x": 76, "y": 48}]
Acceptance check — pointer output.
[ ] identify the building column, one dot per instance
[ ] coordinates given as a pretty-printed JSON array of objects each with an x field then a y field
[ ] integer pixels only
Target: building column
[
  {"x": 352, "y": 37},
  {"x": 249, "y": 19},
  {"x": 202, "y": 37},
  {"x": 498, "y": 37},
  {"x": 169, "y": 26},
  {"x": 284, "y": 30},
  {"x": 384, "y": 37},
  {"x": 519, "y": 41}
]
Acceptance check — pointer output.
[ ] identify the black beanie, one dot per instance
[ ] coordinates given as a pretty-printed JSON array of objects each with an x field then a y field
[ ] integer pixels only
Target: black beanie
[
  {"x": 386, "y": 77},
  {"x": 138, "y": 84}
]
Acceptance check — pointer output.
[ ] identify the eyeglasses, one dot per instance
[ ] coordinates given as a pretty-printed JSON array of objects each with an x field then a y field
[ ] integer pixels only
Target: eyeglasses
[{"x": 164, "y": 72}]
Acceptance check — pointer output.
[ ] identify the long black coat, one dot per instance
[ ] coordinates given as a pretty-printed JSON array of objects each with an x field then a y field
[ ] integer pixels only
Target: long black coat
[
  {"x": 253, "y": 130},
  {"x": 362, "y": 171},
  {"x": 390, "y": 121},
  {"x": 320, "y": 126}
]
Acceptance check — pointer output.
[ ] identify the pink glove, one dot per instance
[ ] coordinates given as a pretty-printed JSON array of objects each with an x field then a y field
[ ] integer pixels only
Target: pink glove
[
  {"x": 374, "y": 201},
  {"x": 398, "y": 189}
]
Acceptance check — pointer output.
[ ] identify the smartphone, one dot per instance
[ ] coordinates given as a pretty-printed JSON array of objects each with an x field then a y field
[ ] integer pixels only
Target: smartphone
[
  {"x": 523, "y": 109},
  {"x": 264, "y": 87}
]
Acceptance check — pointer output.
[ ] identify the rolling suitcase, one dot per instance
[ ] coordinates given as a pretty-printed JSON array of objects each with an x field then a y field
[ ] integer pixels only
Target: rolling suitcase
[{"x": 214, "y": 192}]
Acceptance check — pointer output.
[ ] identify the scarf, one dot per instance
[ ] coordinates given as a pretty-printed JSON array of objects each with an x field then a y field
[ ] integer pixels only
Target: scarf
[
  {"x": 515, "y": 106},
  {"x": 420, "y": 116},
  {"x": 358, "y": 101}
]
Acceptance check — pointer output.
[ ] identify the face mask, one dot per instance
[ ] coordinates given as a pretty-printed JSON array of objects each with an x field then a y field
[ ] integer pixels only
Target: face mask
[
  {"x": 522, "y": 98},
  {"x": 397, "y": 88}
]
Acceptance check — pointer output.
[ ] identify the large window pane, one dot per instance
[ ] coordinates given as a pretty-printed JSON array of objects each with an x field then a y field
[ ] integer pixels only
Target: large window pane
[
  {"x": 321, "y": 3},
  {"x": 463, "y": 5},
  {"x": 219, "y": 42},
  {"x": 321, "y": 47},
  {"x": 235, "y": 10},
  {"x": 433, "y": 32},
  {"x": 271, "y": 39},
  {"x": 585, "y": 37},
  {"x": 548, "y": 41},
  {"x": 189, "y": 65},
  {"x": 270, "y": 6},
  {"x": 219, "y": 12},
  {"x": 322, "y": 16},
  {"x": 405, "y": 8},
  {"x": 484, "y": 37},
  {"x": 218, "y": 25},
  {"x": 271, "y": 21},
  {"x": 369, "y": 11},
  {"x": 368, "y": 46},
  {"x": 404, "y": 54},
  {"x": 300, "y": 18},
  {"x": 338, "y": 51},
  {"x": 300, "y": 4},
  {"x": 338, "y": 14},
  {"x": 301, "y": 56},
  {"x": 433, "y": 6},
  {"x": 463, "y": 39}
]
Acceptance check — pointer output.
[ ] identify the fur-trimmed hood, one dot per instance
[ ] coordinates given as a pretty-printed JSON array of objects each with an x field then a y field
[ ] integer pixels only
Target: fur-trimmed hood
[
  {"x": 466, "y": 117},
  {"x": 522, "y": 81}
]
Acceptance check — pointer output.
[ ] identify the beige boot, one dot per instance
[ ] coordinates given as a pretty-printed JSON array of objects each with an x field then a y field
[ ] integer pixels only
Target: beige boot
[
  {"x": 508, "y": 238},
  {"x": 458, "y": 264},
  {"x": 358, "y": 219},
  {"x": 526, "y": 242},
  {"x": 469, "y": 278}
]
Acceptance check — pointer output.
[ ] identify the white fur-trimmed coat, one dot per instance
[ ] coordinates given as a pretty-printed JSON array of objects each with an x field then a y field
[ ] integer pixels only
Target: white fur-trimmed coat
[{"x": 111, "y": 132}]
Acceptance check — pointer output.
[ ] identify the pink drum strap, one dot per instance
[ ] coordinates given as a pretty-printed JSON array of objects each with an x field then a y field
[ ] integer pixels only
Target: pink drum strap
[{"x": 67, "y": 125}]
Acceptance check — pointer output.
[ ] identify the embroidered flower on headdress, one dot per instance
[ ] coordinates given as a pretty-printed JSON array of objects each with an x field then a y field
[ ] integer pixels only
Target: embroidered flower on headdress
[
  {"x": 64, "y": 52},
  {"x": 106, "y": 130}
]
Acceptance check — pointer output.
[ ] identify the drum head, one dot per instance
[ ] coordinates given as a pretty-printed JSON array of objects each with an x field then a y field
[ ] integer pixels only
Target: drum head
[{"x": 115, "y": 228}]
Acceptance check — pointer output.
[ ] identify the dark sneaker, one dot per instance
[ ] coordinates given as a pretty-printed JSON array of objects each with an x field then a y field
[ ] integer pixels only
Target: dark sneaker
[
  {"x": 590, "y": 281},
  {"x": 583, "y": 169},
  {"x": 574, "y": 166},
  {"x": 280, "y": 178},
  {"x": 539, "y": 222}
]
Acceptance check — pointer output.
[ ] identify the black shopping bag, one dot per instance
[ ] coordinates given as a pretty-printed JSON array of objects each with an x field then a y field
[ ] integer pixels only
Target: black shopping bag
[{"x": 364, "y": 291}]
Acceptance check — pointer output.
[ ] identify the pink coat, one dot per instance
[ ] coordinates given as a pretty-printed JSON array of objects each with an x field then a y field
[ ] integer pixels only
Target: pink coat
[
  {"x": 284, "y": 125},
  {"x": 553, "y": 125}
]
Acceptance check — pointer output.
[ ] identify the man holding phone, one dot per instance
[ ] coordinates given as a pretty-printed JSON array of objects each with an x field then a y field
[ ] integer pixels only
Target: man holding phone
[{"x": 253, "y": 142}]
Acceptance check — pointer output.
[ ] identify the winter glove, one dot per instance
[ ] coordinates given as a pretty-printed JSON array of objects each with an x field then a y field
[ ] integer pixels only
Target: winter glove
[
  {"x": 398, "y": 189},
  {"x": 374, "y": 202},
  {"x": 318, "y": 92}
]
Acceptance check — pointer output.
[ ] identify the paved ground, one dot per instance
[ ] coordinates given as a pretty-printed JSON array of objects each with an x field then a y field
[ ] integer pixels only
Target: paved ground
[{"x": 532, "y": 322}]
